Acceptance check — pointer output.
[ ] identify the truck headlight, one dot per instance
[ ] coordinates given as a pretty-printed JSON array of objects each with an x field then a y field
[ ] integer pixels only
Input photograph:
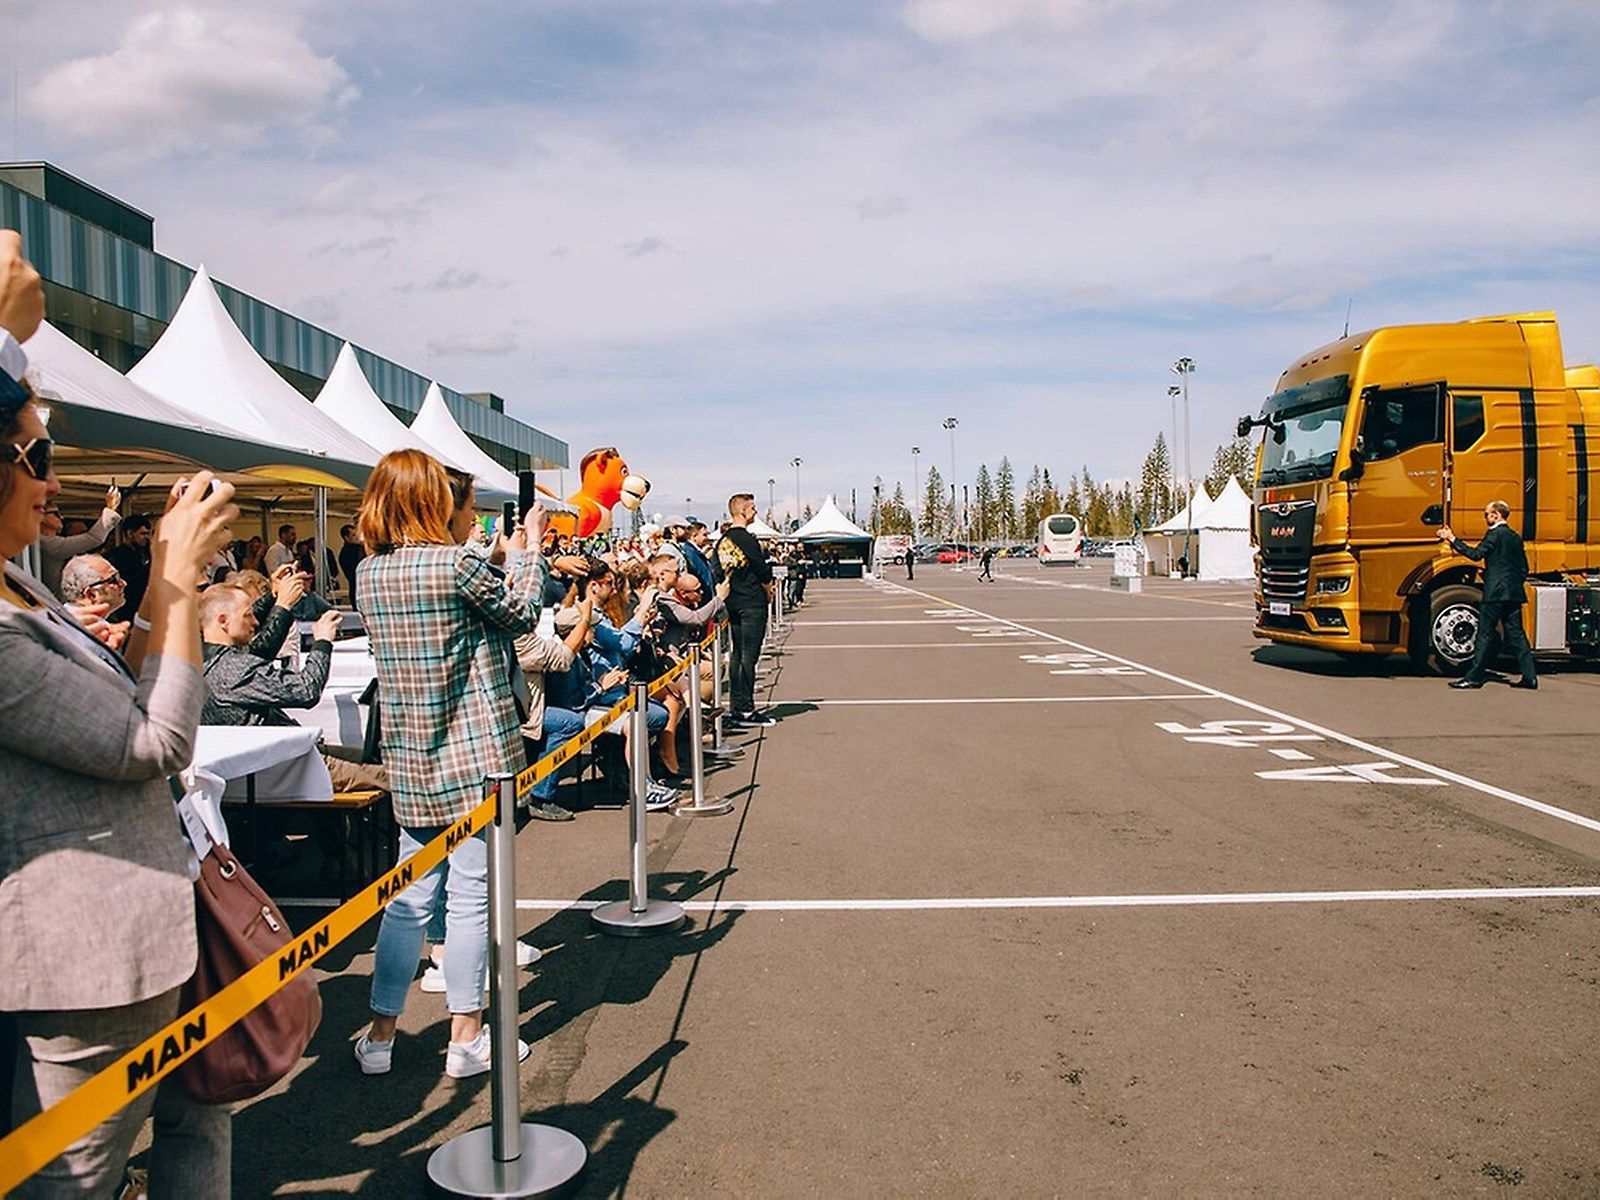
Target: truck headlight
[{"x": 1336, "y": 585}]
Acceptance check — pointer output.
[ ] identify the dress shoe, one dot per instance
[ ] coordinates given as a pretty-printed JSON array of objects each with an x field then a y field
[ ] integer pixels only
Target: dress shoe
[
  {"x": 1466, "y": 683},
  {"x": 1531, "y": 685}
]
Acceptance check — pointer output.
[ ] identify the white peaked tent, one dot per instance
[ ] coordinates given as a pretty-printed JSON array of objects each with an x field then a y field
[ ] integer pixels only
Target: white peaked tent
[
  {"x": 437, "y": 428},
  {"x": 1164, "y": 543},
  {"x": 348, "y": 398},
  {"x": 1225, "y": 550},
  {"x": 110, "y": 427},
  {"x": 204, "y": 365},
  {"x": 831, "y": 525},
  {"x": 760, "y": 529}
]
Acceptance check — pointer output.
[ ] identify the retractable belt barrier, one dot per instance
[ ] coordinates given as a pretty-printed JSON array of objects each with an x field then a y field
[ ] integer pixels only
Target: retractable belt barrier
[{"x": 45, "y": 1136}]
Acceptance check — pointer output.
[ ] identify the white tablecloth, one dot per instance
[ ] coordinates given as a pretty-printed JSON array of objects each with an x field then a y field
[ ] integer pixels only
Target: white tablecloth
[
  {"x": 338, "y": 715},
  {"x": 285, "y": 761}
]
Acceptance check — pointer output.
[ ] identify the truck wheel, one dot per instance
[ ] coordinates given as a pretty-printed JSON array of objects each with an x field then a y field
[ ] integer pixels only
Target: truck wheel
[{"x": 1444, "y": 644}]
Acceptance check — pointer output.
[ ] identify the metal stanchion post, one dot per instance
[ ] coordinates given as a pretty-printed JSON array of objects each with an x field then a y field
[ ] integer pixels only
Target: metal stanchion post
[
  {"x": 638, "y": 915},
  {"x": 508, "y": 1156},
  {"x": 719, "y": 701},
  {"x": 700, "y": 806}
]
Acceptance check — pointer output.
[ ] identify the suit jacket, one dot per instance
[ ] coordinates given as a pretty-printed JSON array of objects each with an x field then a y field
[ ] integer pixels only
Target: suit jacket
[
  {"x": 441, "y": 623},
  {"x": 96, "y": 895},
  {"x": 1505, "y": 564}
]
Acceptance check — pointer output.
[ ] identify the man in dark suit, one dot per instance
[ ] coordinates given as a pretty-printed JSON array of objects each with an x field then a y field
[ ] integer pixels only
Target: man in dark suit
[{"x": 1505, "y": 569}]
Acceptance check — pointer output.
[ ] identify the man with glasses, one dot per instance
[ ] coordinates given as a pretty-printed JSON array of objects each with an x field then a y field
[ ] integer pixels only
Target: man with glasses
[
  {"x": 92, "y": 590},
  {"x": 55, "y": 548},
  {"x": 1505, "y": 571}
]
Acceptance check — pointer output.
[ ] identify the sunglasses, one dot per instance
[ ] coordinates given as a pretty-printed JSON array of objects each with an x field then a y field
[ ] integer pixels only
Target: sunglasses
[
  {"x": 112, "y": 580},
  {"x": 36, "y": 457}
]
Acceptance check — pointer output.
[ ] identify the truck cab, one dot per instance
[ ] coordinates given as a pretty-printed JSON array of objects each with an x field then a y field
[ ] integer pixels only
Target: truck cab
[{"x": 1373, "y": 442}]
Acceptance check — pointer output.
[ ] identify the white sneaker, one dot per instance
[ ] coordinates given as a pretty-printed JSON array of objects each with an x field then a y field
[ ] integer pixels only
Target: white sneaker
[
  {"x": 375, "y": 1057},
  {"x": 432, "y": 980},
  {"x": 463, "y": 1060},
  {"x": 527, "y": 955},
  {"x": 659, "y": 798}
]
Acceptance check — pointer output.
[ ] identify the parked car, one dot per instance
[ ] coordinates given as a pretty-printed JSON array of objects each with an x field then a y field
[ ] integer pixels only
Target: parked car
[{"x": 955, "y": 554}]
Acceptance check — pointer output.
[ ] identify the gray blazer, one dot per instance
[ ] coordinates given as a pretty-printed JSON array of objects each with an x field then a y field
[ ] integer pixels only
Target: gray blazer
[{"x": 96, "y": 898}]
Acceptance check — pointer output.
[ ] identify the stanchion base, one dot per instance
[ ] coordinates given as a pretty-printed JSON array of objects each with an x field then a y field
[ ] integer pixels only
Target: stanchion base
[
  {"x": 659, "y": 916},
  {"x": 464, "y": 1166},
  {"x": 711, "y": 807}
]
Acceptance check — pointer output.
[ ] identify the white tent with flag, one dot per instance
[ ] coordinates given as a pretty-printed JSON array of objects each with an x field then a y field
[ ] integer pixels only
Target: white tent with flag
[
  {"x": 1225, "y": 549},
  {"x": 348, "y": 398},
  {"x": 831, "y": 525},
  {"x": 437, "y": 428},
  {"x": 204, "y": 365}
]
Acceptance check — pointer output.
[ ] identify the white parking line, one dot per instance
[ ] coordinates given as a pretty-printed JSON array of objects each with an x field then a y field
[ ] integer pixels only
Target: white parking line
[
  {"x": 1152, "y": 900},
  {"x": 1488, "y": 789},
  {"x": 1019, "y": 699},
  {"x": 791, "y": 647}
]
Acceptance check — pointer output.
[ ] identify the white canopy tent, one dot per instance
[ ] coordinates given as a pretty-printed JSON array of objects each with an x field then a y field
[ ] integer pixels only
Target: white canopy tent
[
  {"x": 204, "y": 365},
  {"x": 1225, "y": 549},
  {"x": 348, "y": 398},
  {"x": 110, "y": 427},
  {"x": 1164, "y": 544},
  {"x": 831, "y": 525},
  {"x": 436, "y": 427},
  {"x": 762, "y": 530}
]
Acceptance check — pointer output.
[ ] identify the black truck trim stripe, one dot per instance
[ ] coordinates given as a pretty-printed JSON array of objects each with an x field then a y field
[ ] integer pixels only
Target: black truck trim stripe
[
  {"x": 1580, "y": 447},
  {"x": 1530, "y": 465}
]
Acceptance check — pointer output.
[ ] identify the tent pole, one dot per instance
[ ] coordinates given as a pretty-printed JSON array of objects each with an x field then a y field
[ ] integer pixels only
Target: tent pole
[{"x": 319, "y": 553}]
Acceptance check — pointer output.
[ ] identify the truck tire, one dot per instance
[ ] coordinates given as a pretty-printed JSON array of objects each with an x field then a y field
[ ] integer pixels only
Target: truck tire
[{"x": 1443, "y": 643}]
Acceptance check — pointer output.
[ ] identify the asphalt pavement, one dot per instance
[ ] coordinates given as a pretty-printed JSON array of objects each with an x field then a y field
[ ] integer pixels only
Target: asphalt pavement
[{"x": 1037, "y": 888}]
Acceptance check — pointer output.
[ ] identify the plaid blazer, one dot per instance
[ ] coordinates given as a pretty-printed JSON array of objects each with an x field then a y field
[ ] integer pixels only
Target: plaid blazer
[{"x": 442, "y": 623}]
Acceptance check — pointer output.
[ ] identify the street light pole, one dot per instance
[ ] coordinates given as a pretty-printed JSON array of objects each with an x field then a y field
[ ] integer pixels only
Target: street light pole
[
  {"x": 950, "y": 424},
  {"x": 771, "y": 502},
  {"x": 795, "y": 463},
  {"x": 1184, "y": 368},
  {"x": 1173, "y": 392},
  {"x": 877, "y": 503},
  {"x": 917, "y": 505}
]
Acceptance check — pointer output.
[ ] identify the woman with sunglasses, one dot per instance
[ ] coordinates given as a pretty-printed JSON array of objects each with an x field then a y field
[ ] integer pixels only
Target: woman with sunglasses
[{"x": 86, "y": 817}]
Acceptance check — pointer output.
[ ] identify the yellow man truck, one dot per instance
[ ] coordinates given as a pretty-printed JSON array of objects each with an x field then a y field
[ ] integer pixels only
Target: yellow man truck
[{"x": 1371, "y": 443}]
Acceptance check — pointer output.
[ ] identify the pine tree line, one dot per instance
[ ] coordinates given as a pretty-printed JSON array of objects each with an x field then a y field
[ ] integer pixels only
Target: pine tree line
[{"x": 996, "y": 512}]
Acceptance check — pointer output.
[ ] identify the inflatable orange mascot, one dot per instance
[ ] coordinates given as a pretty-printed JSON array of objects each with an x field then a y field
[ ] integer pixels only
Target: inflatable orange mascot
[{"x": 603, "y": 482}]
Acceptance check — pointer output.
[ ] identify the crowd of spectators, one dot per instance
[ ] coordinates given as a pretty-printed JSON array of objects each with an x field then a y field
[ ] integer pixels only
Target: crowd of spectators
[{"x": 489, "y": 650}]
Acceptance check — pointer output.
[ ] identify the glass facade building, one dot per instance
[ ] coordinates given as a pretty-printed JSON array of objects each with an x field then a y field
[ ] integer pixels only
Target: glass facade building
[{"x": 108, "y": 289}]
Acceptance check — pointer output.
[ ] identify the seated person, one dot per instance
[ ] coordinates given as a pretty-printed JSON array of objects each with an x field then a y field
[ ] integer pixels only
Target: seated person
[
  {"x": 274, "y": 603},
  {"x": 674, "y": 629},
  {"x": 549, "y": 727},
  {"x": 591, "y": 687},
  {"x": 242, "y": 688},
  {"x": 92, "y": 589}
]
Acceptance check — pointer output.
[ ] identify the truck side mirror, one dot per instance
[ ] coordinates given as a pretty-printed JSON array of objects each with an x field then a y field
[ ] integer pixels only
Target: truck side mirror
[{"x": 1243, "y": 427}]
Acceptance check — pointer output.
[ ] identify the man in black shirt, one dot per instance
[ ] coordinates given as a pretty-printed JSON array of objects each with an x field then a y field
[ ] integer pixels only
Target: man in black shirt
[
  {"x": 132, "y": 561},
  {"x": 350, "y": 556},
  {"x": 1505, "y": 571},
  {"x": 749, "y": 578}
]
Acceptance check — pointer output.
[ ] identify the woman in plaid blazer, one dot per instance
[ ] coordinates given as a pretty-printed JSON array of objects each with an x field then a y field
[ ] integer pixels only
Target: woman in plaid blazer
[{"x": 442, "y": 624}]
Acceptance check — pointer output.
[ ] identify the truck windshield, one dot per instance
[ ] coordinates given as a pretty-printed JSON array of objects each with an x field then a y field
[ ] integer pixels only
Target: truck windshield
[{"x": 1304, "y": 424}]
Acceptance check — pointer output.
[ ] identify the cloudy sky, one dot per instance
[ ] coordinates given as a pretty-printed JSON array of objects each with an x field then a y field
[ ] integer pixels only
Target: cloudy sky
[{"x": 723, "y": 233}]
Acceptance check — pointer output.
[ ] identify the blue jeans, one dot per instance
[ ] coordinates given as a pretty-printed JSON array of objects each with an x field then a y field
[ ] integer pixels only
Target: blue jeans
[
  {"x": 561, "y": 725},
  {"x": 655, "y": 713},
  {"x": 465, "y": 888}
]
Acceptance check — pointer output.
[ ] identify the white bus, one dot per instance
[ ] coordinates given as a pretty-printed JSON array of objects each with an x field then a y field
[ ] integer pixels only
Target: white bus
[{"x": 1060, "y": 539}]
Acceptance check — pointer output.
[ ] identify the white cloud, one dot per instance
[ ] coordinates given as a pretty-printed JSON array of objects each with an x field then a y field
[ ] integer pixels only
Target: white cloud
[
  {"x": 968, "y": 20},
  {"x": 485, "y": 345},
  {"x": 189, "y": 81}
]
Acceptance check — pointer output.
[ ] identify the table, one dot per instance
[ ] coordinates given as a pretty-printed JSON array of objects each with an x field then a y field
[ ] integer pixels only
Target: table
[
  {"x": 250, "y": 763},
  {"x": 339, "y": 715}
]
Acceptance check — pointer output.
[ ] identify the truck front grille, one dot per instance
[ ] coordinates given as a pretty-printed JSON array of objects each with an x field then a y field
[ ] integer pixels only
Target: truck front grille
[{"x": 1285, "y": 581}]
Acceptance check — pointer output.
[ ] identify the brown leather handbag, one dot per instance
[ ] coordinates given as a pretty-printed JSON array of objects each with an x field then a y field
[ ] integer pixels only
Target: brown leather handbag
[{"x": 238, "y": 926}]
